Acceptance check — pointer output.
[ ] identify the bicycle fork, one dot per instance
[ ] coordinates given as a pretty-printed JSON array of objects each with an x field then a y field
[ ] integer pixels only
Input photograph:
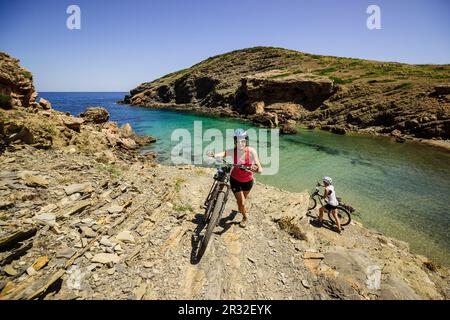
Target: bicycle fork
[{"x": 222, "y": 186}]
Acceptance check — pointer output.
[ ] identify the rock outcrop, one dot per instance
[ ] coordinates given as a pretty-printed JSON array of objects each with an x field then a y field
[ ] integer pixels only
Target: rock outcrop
[
  {"x": 351, "y": 94},
  {"x": 95, "y": 115},
  {"x": 24, "y": 121},
  {"x": 16, "y": 84},
  {"x": 269, "y": 88}
]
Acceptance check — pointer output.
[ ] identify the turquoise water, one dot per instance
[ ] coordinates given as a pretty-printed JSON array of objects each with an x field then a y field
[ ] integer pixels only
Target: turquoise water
[{"x": 399, "y": 189}]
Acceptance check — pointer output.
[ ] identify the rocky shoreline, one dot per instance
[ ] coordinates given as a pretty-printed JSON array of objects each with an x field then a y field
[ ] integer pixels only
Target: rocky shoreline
[
  {"x": 74, "y": 227},
  {"x": 84, "y": 216},
  {"x": 293, "y": 127},
  {"x": 275, "y": 87}
]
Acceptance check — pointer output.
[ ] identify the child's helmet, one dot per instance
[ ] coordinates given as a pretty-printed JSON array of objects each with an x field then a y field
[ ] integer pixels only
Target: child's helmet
[{"x": 327, "y": 179}]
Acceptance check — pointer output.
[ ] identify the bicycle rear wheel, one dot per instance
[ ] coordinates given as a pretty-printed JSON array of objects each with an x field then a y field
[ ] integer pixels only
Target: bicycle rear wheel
[
  {"x": 343, "y": 215},
  {"x": 216, "y": 211}
]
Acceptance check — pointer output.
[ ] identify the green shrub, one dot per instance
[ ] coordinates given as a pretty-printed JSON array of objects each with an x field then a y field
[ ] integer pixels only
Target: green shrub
[
  {"x": 403, "y": 86},
  {"x": 178, "y": 183},
  {"x": 441, "y": 76},
  {"x": 182, "y": 208},
  {"x": 380, "y": 81},
  {"x": 280, "y": 76},
  {"x": 5, "y": 101},
  {"x": 355, "y": 63},
  {"x": 110, "y": 168},
  {"x": 325, "y": 71},
  {"x": 342, "y": 81},
  {"x": 26, "y": 74}
]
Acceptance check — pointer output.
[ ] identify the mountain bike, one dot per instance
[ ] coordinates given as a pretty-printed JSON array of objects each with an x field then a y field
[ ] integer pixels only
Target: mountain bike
[
  {"x": 342, "y": 212},
  {"x": 216, "y": 200}
]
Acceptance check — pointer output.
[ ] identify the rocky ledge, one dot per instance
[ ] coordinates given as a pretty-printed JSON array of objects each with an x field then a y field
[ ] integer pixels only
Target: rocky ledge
[{"x": 76, "y": 227}]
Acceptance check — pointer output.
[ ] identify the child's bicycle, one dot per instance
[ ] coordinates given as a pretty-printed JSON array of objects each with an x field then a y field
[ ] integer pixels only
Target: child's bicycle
[{"x": 342, "y": 212}]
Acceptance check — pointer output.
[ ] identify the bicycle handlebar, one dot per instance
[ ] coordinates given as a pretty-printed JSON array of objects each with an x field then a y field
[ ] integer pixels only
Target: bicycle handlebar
[{"x": 240, "y": 166}]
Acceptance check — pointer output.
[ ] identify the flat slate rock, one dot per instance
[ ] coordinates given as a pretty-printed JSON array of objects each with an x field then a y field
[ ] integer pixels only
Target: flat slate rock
[
  {"x": 66, "y": 253},
  {"x": 115, "y": 209},
  {"x": 77, "y": 187},
  {"x": 106, "y": 258}
]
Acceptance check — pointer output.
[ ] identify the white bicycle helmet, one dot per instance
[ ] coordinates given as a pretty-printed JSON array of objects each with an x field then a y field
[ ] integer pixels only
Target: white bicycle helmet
[
  {"x": 327, "y": 180},
  {"x": 240, "y": 134}
]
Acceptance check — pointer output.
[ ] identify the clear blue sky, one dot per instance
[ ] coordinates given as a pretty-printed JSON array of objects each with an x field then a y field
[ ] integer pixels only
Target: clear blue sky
[{"x": 124, "y": 43}]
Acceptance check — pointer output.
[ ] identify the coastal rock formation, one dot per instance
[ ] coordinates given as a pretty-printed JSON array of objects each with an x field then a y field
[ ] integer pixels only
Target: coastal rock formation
[
  {"x": 24, "y": 121},
  {"x": 274, "y": 87},
  {"x": 88, "y": 217},
  {"x": 351, "y": 94},
  {"x": 16, "y": 84},
  {"x": 46, "y": 105},
  {"x": 95, "y": 115}
]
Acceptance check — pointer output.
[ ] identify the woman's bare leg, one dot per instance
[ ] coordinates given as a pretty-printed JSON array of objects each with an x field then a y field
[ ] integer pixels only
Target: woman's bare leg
[
  {"x": 321, "y": 214},
  {"x": 334, "y": 213},
  {"x": 241, "y": 203}
]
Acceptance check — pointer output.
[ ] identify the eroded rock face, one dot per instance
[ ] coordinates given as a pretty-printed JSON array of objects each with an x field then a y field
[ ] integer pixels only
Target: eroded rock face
[
  {"x": 16, "y": 83},
  {"x": 25, "y": 122},
  {"x": 126, "y": 131},
  {"x": 296, "y": 89},
  {"x": 442, "y": 89}
]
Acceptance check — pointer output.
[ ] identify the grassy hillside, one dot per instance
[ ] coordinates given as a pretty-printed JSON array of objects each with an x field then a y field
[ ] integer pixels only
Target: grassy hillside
[{"x": 372, "y": 96}]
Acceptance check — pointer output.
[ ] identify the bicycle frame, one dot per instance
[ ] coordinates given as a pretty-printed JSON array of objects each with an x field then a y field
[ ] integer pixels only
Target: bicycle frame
[
  {"x": 221, "y": 182},
  {"x": 316, "y": 194},
  {"x": 218, "y": 186}
]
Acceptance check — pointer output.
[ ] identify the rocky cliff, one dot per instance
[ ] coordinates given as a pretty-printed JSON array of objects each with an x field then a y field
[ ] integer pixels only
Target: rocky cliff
[
  {"x": 16, "y": 84},
  {"x": 23, "y": 121},
  {"x": 272, "y": 86},
  {"x": 84, "y": 216}
]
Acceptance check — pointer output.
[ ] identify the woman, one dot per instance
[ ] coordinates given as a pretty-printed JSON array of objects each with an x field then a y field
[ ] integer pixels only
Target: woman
[{"x": 241, "y": 181}]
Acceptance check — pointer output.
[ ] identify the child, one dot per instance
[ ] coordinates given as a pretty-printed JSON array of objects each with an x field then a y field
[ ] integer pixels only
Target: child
[{"x": 332, "y": 203}]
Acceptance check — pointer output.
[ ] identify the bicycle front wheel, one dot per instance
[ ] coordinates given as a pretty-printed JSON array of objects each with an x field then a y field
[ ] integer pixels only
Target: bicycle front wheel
[
  {"x": 210, "y": 205},
  {"x": 216, "y": 211},
  {"x": 343, "y": 215},
  {"x": 312, "y": 203}
]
